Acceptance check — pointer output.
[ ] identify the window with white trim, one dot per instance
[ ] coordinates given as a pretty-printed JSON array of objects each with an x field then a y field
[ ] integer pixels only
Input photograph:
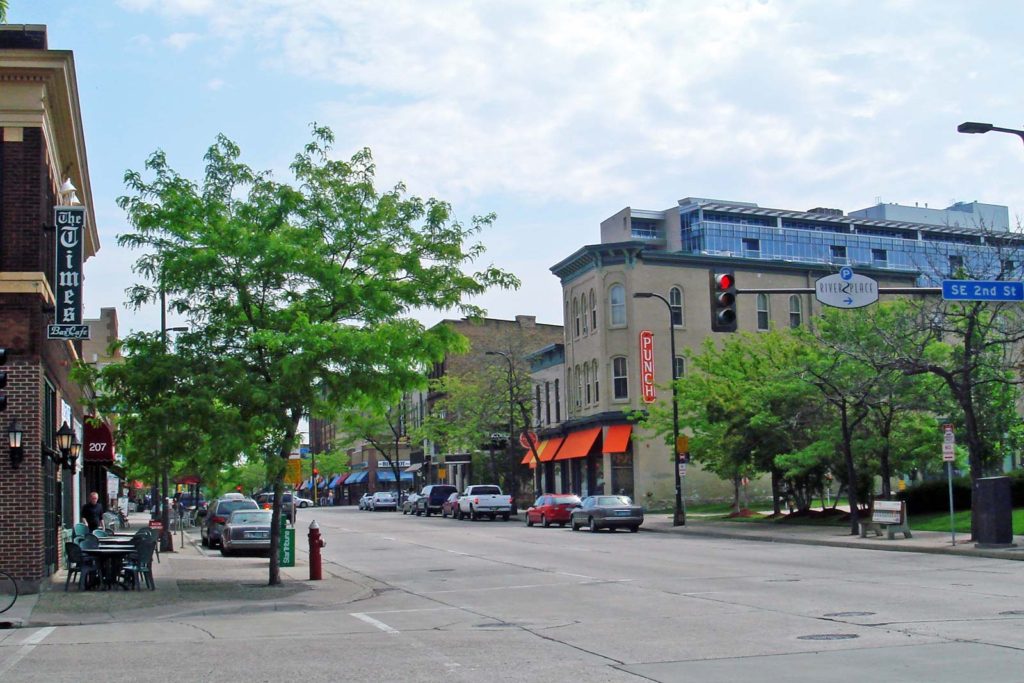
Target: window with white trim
[{"x": 617, "y": 305}]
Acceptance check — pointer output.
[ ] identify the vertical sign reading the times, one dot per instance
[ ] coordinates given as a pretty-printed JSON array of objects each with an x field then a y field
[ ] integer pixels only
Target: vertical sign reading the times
[
  {"x": 647, "y": 366},
  {"x": 70, "y": 223}
]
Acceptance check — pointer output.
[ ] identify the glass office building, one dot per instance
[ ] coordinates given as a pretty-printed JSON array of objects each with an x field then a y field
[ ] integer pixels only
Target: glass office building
[{"x": 936, "y": 243}]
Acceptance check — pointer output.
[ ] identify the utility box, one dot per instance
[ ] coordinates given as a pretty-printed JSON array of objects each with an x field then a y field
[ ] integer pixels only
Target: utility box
[
  {"x": 286, "y": 547},
  {"x": 993, "y": 512}
]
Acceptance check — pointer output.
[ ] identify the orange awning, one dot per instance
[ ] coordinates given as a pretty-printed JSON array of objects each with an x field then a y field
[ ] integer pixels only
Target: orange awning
[
  {"x": 617, "y": 438},
  {"x": 578, "y": 444},
  {"x": 528, "y": 458},
  {"x": 548, "y": 454}
]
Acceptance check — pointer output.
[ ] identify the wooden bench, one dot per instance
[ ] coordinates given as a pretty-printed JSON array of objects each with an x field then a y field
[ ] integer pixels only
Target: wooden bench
[{"x": 891, "y": 514}]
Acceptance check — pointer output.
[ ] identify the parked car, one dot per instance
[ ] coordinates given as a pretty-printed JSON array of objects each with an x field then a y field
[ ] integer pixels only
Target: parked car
[
  {"x": 552, "y": 508},
  {"x": 432, "y": 497},
  {"x": 219, "y": 512},
  {"x": 451, "y": 506},
  {"x": 484, "y": 499},
  {"x": 607, "y": 512},
  {"x": 303, "y": 502},
  {"x": 409, "y": 503},
  {"x": 383, "y": 500},
  {"x": 246, "y": 530},
  {"x": 364, "y": 501},
  {"x": 266, "y": 502}
]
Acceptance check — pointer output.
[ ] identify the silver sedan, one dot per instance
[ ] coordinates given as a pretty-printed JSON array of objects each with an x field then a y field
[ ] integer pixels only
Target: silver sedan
[
  {"x": 246, "y": 530},
  {"x": 607, "y": 512}
]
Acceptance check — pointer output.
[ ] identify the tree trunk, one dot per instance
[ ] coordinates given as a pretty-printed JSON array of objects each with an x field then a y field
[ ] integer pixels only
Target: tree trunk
[
  {"x": 851, "y": 473},
  {"x": 736, "y": 493},
  {"x": 776, "y": 506}
]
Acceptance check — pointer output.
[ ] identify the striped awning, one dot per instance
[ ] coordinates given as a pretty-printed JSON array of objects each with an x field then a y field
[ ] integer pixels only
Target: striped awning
[{"x": 578, "y": 444}]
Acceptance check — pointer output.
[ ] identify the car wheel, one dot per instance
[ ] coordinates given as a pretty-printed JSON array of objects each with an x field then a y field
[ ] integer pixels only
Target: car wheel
[
  {"x": 303, "y": 505},
  {"x": 592, "y": 525},
  {"x": 529, "y": 522},
  {"x": 633, "y": 529},
  {"x": 544, "y": 522},
  {"x": 224, "y": 551},
  {"x": 427, "y": 512},
  {"x": 575, "y": 526},
  {"x": 472, "y": 515}
]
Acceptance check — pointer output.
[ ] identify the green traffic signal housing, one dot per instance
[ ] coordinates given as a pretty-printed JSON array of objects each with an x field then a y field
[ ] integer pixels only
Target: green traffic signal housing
[{"x": 723, "y": 300}]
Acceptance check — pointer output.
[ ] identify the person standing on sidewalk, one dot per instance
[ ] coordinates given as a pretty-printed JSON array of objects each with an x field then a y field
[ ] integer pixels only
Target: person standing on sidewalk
[{"x": 92, "y": 512}]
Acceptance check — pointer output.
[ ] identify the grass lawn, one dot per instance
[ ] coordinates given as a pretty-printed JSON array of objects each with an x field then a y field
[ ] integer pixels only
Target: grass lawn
[{"x": 939, "y": 521}]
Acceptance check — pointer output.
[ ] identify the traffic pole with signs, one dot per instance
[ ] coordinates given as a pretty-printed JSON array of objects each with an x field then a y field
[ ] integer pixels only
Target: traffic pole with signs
[{"x": 948, "y": 455}]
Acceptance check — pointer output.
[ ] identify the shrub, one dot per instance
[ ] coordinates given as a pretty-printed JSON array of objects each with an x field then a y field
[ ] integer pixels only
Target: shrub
[{"x": 933, "y": 496}]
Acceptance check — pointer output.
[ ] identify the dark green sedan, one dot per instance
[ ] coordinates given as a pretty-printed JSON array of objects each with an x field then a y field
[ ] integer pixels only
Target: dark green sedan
[{"x": 607, "y": 512}]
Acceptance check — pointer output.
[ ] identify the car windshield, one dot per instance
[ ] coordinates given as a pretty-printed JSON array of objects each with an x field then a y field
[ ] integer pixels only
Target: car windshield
[
  {"x": 226, "y": 507},
  {"x": 566, "y": 500},
  {"x": 251, "y": 517},
  {"x": 613, "y": 500}
]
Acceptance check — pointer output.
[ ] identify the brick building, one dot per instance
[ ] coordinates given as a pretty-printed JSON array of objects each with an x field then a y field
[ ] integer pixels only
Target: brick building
[{"x": 42, "y": 147}]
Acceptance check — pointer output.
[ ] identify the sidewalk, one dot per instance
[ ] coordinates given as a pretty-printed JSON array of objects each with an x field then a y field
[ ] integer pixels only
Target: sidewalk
[
  {"x": 189, "y": 583},
  {"x": 836, "y": 536}
]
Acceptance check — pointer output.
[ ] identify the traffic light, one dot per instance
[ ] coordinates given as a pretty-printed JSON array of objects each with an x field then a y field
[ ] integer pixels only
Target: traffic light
[
  {"x": 239, "y": 488},
  {"x": 316, "y": 472},
  {"x": 3, "y": 380},
  {"x": 723, "y": 301}
]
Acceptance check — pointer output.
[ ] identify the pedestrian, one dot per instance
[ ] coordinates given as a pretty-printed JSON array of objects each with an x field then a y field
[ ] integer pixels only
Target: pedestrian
[{"x": 92, "y": 512}]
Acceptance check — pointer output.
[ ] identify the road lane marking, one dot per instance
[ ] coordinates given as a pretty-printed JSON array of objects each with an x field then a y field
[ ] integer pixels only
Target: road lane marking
[
  {"x": 592, "y": 582},
  {"x": 400, "y": 611},
  {"x": 373, "y": 622},
  {"x": 27, "y": 646},
  {"x": 578, "y": 576}
]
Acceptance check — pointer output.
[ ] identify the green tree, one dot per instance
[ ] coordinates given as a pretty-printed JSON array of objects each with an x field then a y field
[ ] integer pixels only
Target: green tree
[{"x": 300, "y": 292}]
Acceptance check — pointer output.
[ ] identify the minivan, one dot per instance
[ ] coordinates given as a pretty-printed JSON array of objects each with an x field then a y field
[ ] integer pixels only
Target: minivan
[{"x": 432, "y": 497}]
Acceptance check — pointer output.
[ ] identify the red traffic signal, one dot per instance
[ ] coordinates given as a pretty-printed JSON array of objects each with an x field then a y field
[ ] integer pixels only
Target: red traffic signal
[
  {"x": 239, "y": 488},
  {"x": 315, "y": 471},
  {"x": 723, "y": 301}
]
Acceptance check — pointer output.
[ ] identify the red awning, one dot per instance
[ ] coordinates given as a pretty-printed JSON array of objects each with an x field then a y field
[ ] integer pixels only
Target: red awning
[
  {"x": 617, "y": 438},
  {"x": 98, "y": 442},
  {"x": 578, "y": 444},
  {"x": 187, "y": 479}
]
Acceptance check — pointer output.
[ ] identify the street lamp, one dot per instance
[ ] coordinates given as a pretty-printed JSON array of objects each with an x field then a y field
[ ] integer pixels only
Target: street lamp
[
  {"x": 166, "y": 538},
  {"x": 973, "y": 127},
  {"x": 66, "y": 444},
  {"x": 14, "y": 436},
  {"x": 679, "y": 515},
  {"x": 511, "y": 415}
]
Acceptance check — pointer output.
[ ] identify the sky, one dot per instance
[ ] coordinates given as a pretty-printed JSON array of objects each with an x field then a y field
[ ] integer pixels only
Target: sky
[{"x": 554, "y": 114}]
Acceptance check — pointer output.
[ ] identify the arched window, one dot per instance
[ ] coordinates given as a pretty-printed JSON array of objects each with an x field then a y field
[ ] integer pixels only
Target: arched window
[
  {"x": 583, "y": 314},
  {"x": 620, "y": 380},
  {"x": 617, "y": 305},
  {"x": 593, "y": 311},
  {"x": 579, "y": 388},
  {"x": 675, "y": 301},
  {"x": 795, "y": 311},
  {"x": 576, "y": 319},
  {"x": 762, "y": 312},
  {"x": 596, "y": 376},
  {"x": 586, "y": 382}
]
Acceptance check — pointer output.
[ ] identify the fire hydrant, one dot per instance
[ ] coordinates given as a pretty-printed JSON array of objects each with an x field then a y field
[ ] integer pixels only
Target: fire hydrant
[{"x": 315, "y": 543}]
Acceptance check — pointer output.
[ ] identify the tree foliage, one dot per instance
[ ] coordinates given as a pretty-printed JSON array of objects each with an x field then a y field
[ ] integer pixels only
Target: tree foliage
[{"x": 299, "y": 293}]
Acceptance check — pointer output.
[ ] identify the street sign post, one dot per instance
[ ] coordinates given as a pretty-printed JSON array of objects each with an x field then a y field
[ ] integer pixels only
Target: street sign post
[
  {"x": 949, "y": 444},
  {"x": 982, "y": 290},
  {"x": 846, "y": 289}
]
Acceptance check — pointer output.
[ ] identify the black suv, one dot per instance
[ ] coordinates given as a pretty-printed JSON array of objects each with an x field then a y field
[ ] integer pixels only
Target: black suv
[{"x": 431, "y": 498}]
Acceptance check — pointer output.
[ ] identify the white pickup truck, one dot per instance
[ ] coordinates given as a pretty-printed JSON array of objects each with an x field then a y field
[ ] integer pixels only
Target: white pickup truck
[{"x": 484, "y": 500}]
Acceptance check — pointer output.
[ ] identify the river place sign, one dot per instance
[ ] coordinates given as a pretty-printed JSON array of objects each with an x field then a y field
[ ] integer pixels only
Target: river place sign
[{"x": 846, "y": 289}]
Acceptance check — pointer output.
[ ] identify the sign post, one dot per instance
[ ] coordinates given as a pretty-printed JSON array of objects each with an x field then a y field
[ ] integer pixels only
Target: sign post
[{"x": 948, "y": 455}]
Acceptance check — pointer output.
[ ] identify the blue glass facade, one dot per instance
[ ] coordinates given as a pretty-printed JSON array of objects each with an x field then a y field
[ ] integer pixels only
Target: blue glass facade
[{"x": 934, "y": 251}]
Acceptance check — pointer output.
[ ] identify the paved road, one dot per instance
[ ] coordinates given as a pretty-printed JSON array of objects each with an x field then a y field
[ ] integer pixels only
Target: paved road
[{"x": 475, "y": 601}]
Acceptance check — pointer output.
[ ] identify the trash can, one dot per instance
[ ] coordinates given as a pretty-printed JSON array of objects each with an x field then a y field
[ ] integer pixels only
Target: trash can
[{"x": 993, "y": 513}]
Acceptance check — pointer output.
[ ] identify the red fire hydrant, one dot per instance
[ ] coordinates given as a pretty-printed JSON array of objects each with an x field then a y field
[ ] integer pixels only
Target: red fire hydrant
[{"x": 315, "y": 543}]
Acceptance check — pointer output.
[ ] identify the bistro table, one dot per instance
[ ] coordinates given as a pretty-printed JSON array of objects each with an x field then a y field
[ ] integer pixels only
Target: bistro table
[{"x": 110, "y": 556}]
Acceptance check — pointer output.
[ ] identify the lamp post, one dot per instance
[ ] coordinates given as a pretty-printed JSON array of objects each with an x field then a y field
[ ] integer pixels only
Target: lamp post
[
  {"x": 166, "y": 538},
  {"x": 511, "y": 417},
  {"x": 679, "y": 515},
  {"x": 973, "y": 127}
]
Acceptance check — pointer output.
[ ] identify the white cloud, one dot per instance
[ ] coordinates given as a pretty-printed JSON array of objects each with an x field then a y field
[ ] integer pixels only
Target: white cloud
[
  {"x": 181, "y": 41},
  {"x": 215, "y": 84}
]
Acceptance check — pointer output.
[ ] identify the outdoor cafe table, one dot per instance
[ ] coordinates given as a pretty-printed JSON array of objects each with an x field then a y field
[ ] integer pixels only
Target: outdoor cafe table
[{"x": 110, "y": 558}]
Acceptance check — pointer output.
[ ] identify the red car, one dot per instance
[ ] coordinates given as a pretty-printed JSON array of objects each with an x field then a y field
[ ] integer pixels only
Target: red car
[
  {"x": 552, "y": 508},
  {"x": 451, "y": 506}
]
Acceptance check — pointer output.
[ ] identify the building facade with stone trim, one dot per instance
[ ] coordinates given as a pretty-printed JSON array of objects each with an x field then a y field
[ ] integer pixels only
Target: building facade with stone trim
[
  {"x": 43, "y": 144},
  {"x": 674, "y": 253}
]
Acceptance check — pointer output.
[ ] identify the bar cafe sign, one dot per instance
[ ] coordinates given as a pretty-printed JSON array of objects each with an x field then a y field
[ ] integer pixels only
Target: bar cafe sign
[
  {"x": 647, "y": 392},
  {"x": 70, "y": 222}
]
